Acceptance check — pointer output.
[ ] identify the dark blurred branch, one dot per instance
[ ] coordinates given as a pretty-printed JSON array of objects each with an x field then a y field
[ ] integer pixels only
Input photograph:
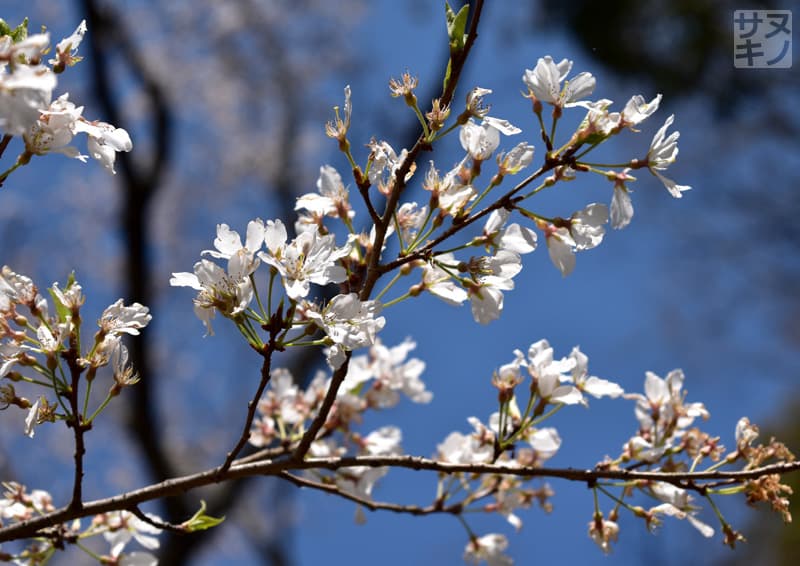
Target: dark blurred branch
[{"x": 140, "y": 179}]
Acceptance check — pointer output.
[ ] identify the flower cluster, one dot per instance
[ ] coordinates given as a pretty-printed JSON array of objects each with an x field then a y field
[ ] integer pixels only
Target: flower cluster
[
  {"x": 27, "y": 107},
  {"x": 34, "y": 342},
  {"x": 118, "y": 528},
  {"x": 289, "y": 304}
]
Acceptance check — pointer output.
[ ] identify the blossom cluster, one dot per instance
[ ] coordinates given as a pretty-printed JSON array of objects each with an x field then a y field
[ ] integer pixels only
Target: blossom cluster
[
  {"x": 41, "y": 350},
  {"x": 27, "y": 107},
  {"x": 277, "y": 290},
  {"x": 118, "y": 528}
]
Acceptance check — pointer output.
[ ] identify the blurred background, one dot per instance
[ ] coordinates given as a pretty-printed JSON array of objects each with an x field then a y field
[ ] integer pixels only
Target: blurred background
[{"x": 226, "y": 102}]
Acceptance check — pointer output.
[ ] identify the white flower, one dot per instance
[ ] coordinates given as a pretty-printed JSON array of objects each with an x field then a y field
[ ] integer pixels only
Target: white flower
[
  {"x": 488, "y": 548},
  {"x": 621, "y": 205},
  {"x": 559, "y": 246},
  {"x": 586, "y": 226},
  {"x": 544, "y": 81},
  {"x": 585, "y": 232},
  {"x": 31, "y": 420},
  {"x": 637, "y": 110},
  {"x": 515, "y": 238},
  {"x": 54, "y": 130},
  {"x": 385, "y": 163},
  {"x": 410, "y": 217},
  {"x": 350, "y": 322},
  {"x": 392, "y": 372},
  {"x": 124, "y": 526},
  {"x": 594, "y": 386},
  {"x": 480, "y": 140},
  {"x": 67, "y": 48},
  {"x": 118, "y": 319},
  {"x": 216, "y": 291},
  {"x": 546, "y": 442},
  {"x": 603, "y": 532},
  {"x": 520, "y": 156},
  {"x": 105, "y": 141},
  {"x": 309, "y": 258},
  {"x": 24, "y": 93},
  {"x": 440, "y": 283},
  {"x": 138, "y": 559},
  {"x": 486, "y": 291},
  {"x": 677, "y": 503},
  {"x": 384, "y": 442},
  {"x": 332, "y": 198},
  {"x": 474, "y": 448},
  {"x": 663, "y": 151},
  {"x": 241, "y": 258}
]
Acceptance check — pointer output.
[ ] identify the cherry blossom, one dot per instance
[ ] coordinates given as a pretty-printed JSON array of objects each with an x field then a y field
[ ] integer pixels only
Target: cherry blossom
[
  {"x": 67, "y": 48},
  {"x": 544, "y": 82},
  {"x": 309, "y": 258},
  {"x": 488, "y": 548},
  {"x": 331, "y": 200},
  {"x": 439, "y": 282},
  {"x": 481, "y": 140},
  {"x": 241, "y": 258},
  {"x": 663, "y": 152},
  {"x": 217, "y": 290},
  {"x": 349, "y": 322},
  {"x": 105, "y": 141},
  {"x": 392, "y": 373}
]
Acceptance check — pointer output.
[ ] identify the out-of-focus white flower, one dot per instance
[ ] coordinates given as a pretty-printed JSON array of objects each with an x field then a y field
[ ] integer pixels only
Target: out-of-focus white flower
[
  {"x": 24, "y": 93},
  {"x": 392, "y": 372},
  {"x": 67, "y": 48},
  {"x": 54, "y": 130},
  {"x": 124, "y": 526},
  {"x": 332, "y": 199},
  {"x": 474, "y": 448},
  {"x": 488, "y": 548},
  {"x": 105, "y": 141}
]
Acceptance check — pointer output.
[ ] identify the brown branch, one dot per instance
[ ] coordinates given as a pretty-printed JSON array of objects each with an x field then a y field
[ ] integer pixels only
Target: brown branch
[
  {"x": 368, "y": 503},
  {"x": 322, "y": 415},
  {"x": 690, "y": 480},
  {"x": 458, "y": 61},
  {"x": 75, "y": 420},
  {"x": 4, "y": 143},
  {"x": 253, "y": 404}
]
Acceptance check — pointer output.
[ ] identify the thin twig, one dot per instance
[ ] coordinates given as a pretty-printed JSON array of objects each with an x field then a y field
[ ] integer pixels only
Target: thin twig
[
  {"x": 163, "y": 525},
  {"x": 252, "y": 405}
]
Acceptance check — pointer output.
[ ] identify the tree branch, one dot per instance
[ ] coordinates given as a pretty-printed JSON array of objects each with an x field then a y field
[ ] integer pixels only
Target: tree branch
[{"x": 688, "y": 480}]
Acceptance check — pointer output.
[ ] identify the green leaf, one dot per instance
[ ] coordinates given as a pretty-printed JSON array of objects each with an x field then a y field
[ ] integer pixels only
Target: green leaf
[
  {"x": 200, "y": 521},
  {"x": 20, "y": 32},
  {"x": 5, "y": 29},
  {"x": 456, "y": 26}
]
